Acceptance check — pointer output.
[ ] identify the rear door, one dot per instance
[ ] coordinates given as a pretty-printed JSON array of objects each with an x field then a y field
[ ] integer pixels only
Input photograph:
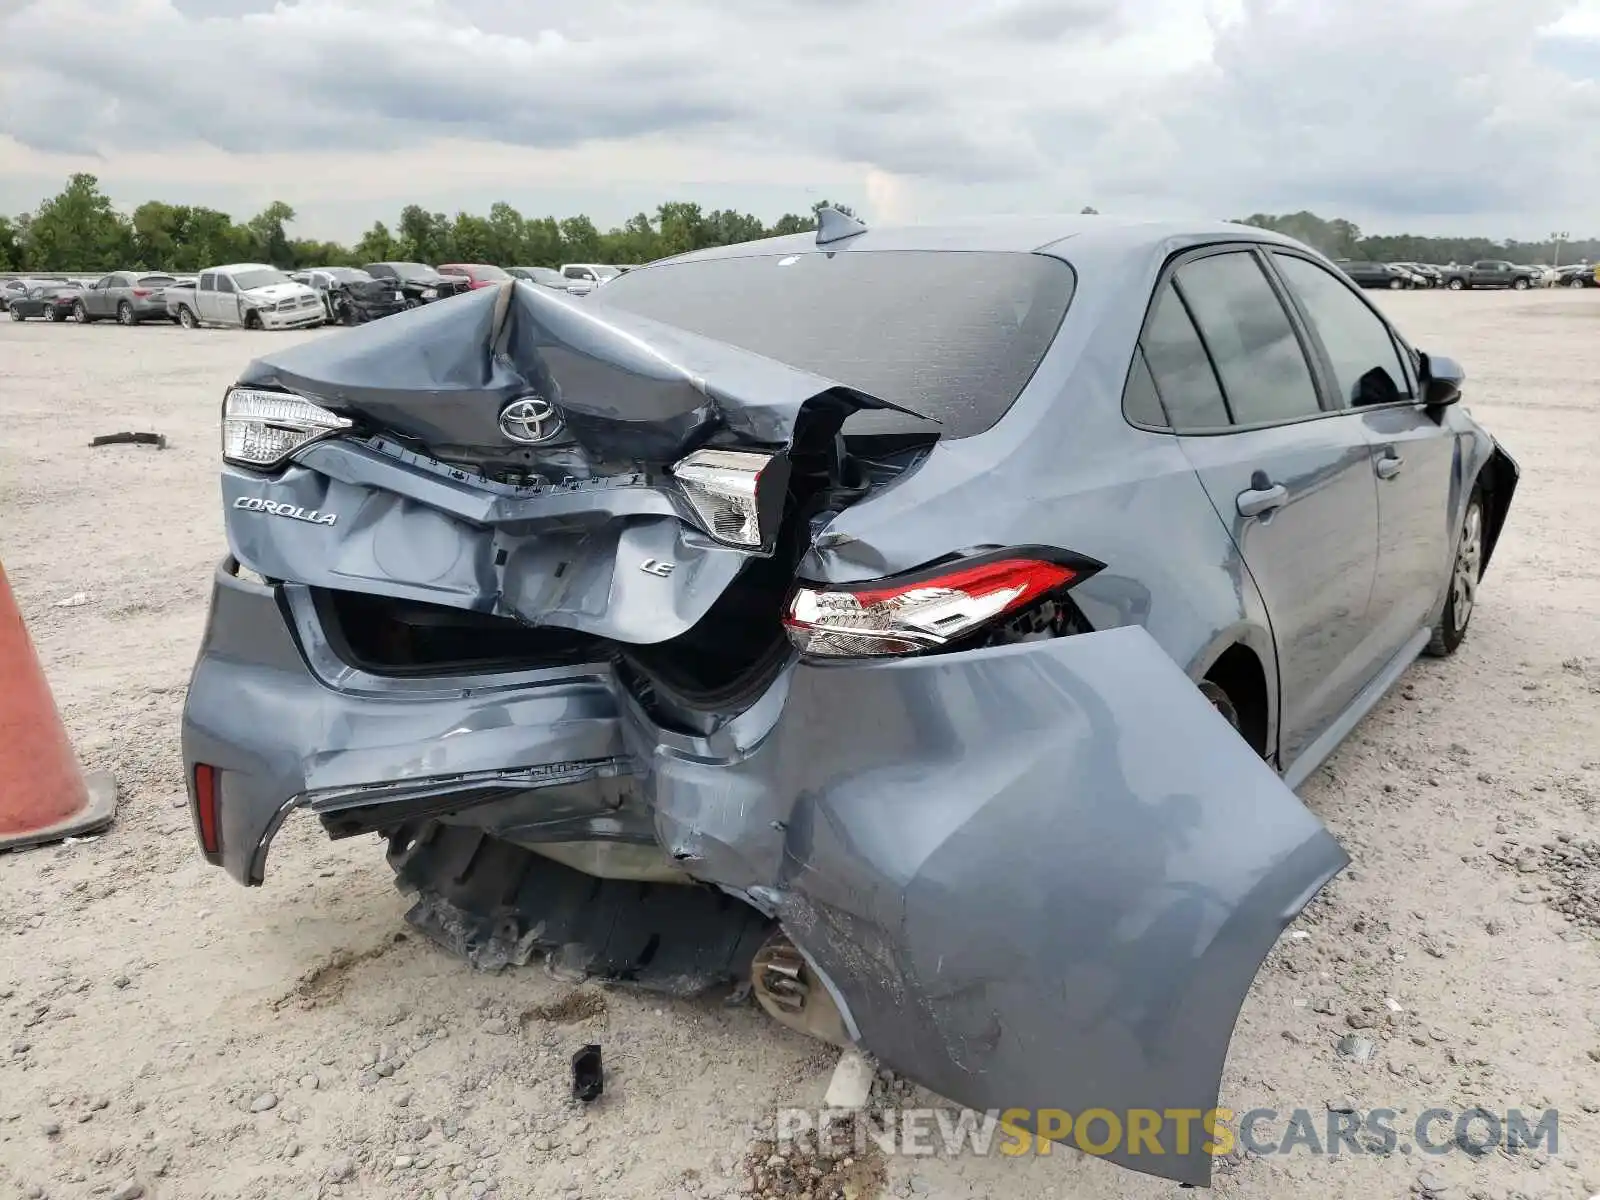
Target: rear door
[
  {"x": 225, "y": 301},
  {"x": 97, "y": 298},
  {"x": 1413, "y": 454},
  {"x": 1292, "y": 481},
  {"x": 205, "y": 296}
]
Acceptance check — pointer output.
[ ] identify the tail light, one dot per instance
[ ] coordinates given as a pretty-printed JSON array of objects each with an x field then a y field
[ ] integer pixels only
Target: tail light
[
  {"x": 930, "y": 608},
  {"x": 205, "y": 808},
  {"x": 260, "y": 429},
  {"x": 737, "y": 494},
  {"x": 141, "y": 292}
]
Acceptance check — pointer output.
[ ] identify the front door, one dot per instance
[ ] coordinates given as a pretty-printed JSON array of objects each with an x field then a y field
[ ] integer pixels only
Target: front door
[
  {"x": 1413, "y": 455},
  {"x": 1292, "y": 482}
]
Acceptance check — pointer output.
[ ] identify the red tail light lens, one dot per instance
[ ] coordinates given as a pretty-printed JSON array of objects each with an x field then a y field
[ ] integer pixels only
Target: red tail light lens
[
  {"x": 927, "y": 609},
  {"x": 205, "y": 808},
  {"x": 141, "y": 292}
]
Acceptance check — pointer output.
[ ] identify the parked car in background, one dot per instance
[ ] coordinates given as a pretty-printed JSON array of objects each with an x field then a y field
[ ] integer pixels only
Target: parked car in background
[
  {"x": 20, "y": 285},
  {"x": 1425, "y": 275},
  {"x": 544, "y": 276},
  {"x": 351, "y": 296},
  {"x": 1376, "y": 274},
  {"x": 51, "y": 301},
  {"x": 743, "y": 624},
  {"x": 1578, "y": 275},
  {"x": 1491, "y": 273},
  {"x": 418, "y": 282},
  {"x": 128, "y": 297},
  {"x": 477, "y": 274},
  {"x": 246, "y": 295}
]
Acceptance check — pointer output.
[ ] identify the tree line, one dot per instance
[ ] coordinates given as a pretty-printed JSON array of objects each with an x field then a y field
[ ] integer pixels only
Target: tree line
[
  {"x": 79, "y": 229},
  {"x": 1343, "y": 239}
]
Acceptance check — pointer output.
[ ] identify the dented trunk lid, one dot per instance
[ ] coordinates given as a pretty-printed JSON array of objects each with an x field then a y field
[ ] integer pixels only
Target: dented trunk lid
[{"x": 428, "y": 498}]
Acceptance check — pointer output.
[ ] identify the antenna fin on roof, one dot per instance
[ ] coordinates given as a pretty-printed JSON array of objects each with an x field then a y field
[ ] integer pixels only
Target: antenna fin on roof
[{"x": 835, "y": 226}]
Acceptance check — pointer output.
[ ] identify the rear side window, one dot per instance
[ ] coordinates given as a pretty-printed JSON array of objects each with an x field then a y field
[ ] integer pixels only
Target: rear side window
[
  {"x": 1257, "y": 355},
  {"x": 1366, "y": 365},
  {"x": 1141, "y": 404},
  {"x": 952, "y": 335},
  {"x": 1180, "y": 368}
]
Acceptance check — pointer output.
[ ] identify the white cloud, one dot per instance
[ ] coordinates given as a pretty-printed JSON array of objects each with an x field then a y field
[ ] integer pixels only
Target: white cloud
[{"x": 1454, "y": 114}]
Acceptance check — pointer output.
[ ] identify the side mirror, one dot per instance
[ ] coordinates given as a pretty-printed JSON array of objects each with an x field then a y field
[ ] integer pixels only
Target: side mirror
[{"x": 1441, "y": 380}]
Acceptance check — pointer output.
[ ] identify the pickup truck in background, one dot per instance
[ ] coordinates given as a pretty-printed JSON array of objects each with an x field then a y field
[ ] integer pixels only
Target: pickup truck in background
[
  {"x": 1492, "y": 273},
  {"x": 247, "y": 296}
]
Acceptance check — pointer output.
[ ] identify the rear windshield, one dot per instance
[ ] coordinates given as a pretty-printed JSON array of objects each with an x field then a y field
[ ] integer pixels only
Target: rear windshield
[
  {"x": 952, "y": 335},
  {"x": 487, "y": 273},
  {"x": 157, "y": 280}
]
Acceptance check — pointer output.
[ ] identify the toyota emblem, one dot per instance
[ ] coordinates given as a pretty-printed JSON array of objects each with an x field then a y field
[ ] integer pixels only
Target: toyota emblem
[{"x": 531, "y": 420}]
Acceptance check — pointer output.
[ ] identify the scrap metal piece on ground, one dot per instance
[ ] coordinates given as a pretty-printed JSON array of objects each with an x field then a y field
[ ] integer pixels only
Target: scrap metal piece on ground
[
  {"x": 588, "y": 1075},
  {"x": 158, "y": 440}
]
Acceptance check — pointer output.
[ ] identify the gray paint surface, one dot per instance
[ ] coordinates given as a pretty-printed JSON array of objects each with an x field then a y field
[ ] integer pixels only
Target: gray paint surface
[{"x": 1040, "y": 875}]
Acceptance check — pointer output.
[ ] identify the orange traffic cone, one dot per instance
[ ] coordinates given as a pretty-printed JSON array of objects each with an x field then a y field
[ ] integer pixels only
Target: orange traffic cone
[{"x": 44, "y": 797}]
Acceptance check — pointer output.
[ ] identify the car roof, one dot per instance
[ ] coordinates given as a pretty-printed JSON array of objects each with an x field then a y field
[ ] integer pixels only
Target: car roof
[{"x": 1050, "y": 234}]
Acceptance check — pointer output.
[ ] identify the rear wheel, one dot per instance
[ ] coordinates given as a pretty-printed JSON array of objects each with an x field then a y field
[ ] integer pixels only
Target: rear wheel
[
  {"x": 52, "y": 313},
  {"x": 1465, "y": 570},
  {"x": 15, "y": 315},
  {"x": 125, "y": 314}
]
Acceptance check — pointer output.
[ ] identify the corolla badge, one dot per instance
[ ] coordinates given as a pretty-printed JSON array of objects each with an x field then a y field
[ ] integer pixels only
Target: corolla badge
[
  {"x": 531, "y": 420},
  {"x": 293, "y": 511}
]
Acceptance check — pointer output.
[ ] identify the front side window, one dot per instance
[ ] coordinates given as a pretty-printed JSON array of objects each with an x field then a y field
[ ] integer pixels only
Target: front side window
[
  {"x": 1252, "y": 342},
  {"x": 1366, "y": 366}
]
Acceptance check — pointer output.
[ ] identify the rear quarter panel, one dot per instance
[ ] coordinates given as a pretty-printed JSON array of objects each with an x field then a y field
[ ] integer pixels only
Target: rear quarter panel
[{"x": 1064, "y": 468}]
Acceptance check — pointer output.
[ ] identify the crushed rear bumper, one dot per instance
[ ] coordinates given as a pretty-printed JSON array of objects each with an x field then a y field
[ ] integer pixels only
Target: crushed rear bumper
[{"x": 1037, "y": 877}]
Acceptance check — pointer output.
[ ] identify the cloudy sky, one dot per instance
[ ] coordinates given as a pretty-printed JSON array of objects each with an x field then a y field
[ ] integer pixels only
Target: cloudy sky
[{"x": 1427, "y": 115}]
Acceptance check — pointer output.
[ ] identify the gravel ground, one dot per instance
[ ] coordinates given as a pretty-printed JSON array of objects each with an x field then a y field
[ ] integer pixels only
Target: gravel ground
[{"x": 170, "y": 1034}]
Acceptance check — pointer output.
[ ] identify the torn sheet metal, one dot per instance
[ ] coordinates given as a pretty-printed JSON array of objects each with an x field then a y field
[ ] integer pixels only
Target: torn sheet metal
[{"x": 1040, "y": 876}]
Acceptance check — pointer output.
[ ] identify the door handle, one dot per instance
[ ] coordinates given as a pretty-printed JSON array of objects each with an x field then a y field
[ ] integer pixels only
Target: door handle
[
  {"x": 1256, "y": 501},
  {"x": 1389, "y": 466}
]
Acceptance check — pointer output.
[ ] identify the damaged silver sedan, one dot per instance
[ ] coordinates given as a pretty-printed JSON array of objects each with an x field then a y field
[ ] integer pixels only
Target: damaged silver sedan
[{"x": 925, "y": 625}]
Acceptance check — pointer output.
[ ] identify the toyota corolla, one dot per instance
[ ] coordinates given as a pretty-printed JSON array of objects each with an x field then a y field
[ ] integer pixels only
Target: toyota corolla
[{"x": 927, "y": 625}]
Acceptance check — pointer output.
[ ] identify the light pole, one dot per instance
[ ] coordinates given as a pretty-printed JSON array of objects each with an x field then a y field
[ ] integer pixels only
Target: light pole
[{"x": 1558, "y": 238}]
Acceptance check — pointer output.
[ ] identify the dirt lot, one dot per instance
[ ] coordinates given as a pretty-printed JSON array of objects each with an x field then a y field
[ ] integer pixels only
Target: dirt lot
[{"x": 167, "y": 1030}]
